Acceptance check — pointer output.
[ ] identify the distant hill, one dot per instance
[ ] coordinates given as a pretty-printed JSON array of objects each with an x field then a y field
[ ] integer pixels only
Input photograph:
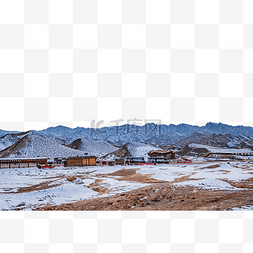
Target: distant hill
[
  {"x": 217, "y": 140},
  {"x": 149, "y": 133},
  {"x": 200, "y": 149},
  {"x": 95, "y": 147}
]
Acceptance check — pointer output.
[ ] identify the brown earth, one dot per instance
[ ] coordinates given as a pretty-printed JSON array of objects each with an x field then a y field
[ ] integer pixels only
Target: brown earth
[
  {"x": 122, "y": 172},
  {"x": 72, "y": 178},
  {"x": 146, "y": 179},
  {"x": 96, "y": 187},
  {"x": 119, "y": 152},
  {"x": 37, "y": 187},
  {"x": 211, "y": 167},
  {"x": 245, "y": 183},
  {"x": 75, "y": 144},
  {"x": 131, "y": 175}
]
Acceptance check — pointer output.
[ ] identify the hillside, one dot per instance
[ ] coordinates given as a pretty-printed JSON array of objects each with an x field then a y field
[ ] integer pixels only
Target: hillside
[
  {"x": 33, "y": 145},
  {"x": 200, "y": 149},
  {"x": 4, "y": 132},
  {"x": 193, "y": 138},
  {"x": 9, "y": 139},
  {"x": 95, "y": 147},
  {"x": 217, "y": 140},
  {"x": 133, "y": 149}
]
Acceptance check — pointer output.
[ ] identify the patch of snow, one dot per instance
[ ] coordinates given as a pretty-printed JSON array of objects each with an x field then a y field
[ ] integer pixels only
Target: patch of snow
[
  {"x": 243, "y": 208},
  {"x": 208, "y": 183}
]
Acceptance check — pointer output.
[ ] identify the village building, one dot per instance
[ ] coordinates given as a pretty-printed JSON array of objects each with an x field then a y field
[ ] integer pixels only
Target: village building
[
  {"x": 169, "y": 154},
  {"x": 23, "y": 162},
  {"x": 159, "y": 159},
  {"x": 120, "y": 161},
  {"x": 81, "y": 161},
  {"x": 231, "y": 155},
  {"x": 134, "y": 160},
  {"x": 58, "y": 160}
]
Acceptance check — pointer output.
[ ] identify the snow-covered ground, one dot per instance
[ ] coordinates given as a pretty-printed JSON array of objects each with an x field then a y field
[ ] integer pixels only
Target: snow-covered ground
[
  {"x": 200, "y": 175},
  {"x": 60, "y": 189}
]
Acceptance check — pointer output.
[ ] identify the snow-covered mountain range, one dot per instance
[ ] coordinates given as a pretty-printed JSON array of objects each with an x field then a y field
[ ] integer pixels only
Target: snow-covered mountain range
[
  {"x": 149, "y": 133},
  {"x": 63, "y": 141}
]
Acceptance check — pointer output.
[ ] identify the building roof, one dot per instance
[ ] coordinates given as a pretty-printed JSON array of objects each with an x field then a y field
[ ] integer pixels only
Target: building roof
[
  {"x": 23, "y": 158},
  {"x": 134, "y": 157},
  {"x": 161, "y": 151},
  {"x": 82, "y": 157},
  {"x": 159, "y": 157}
]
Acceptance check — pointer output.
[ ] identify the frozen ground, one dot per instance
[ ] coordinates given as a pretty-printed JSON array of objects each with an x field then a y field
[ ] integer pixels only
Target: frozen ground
[{"x": 29, "y": 188}]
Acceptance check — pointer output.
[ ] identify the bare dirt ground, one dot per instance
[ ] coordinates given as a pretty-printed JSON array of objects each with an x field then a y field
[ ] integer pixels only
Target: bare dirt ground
[{"x": 130, "y": 175}]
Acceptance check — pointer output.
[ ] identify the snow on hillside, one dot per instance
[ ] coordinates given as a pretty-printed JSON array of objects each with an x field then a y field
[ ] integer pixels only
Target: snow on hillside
[
  {"x": 220, "y": 150},
  {"x": 4, "y": 132},
  {"x": 131, "y": 149},
  {"x": 96, "y": 147},
  {"x": 38, "y": 145},
  {"x": 9, "y": 139},
  {"x": 139, "y": 149},
  {"x": 60, "y": 133},
  {"x": 194, "y": 138}
]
